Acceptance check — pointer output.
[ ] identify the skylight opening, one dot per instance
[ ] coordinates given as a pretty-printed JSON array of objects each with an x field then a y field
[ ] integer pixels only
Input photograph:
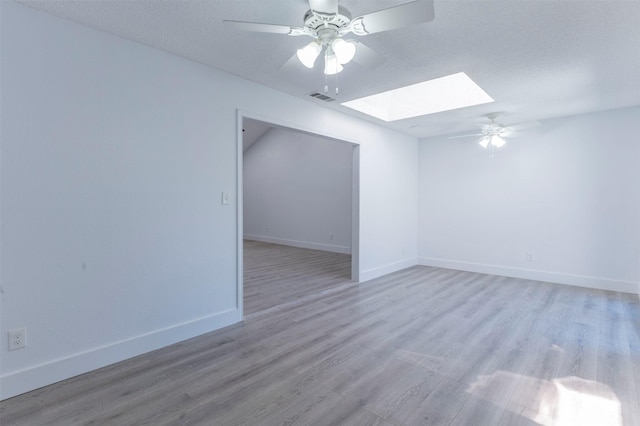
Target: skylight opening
[{"x": 440, "y": 94}]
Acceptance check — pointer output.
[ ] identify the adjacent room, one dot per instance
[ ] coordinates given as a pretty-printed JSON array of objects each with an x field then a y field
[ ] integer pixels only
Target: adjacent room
[
  {"x": 297, "y": 214},
  {"x": 320, "y": 212}
]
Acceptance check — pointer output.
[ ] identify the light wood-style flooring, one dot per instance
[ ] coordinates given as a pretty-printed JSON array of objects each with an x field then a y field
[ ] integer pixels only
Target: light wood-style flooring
[
  {"x": 423, "y": 346},
  {"x": 275, "y": 274}
]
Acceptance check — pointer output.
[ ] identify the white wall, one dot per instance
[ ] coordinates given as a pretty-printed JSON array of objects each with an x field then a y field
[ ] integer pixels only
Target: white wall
[
  {"x": 568, "y": 192},
  {"x": 113, "y": 238},
  {"x": 297, "y": 191}
]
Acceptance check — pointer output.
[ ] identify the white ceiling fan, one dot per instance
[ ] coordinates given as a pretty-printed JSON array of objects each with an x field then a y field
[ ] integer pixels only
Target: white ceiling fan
[
  {"x": 327, "y": 22},
  {"x": 493, "y": 134}
]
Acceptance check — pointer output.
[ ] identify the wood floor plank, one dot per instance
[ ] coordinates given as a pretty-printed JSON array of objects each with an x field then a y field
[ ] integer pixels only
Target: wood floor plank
[
  {"x": 276, "y": 274},
  {"x": 441, "y": 406},
  {"x": 420, "y": 346},
  {"x": 321, "y": 403}
]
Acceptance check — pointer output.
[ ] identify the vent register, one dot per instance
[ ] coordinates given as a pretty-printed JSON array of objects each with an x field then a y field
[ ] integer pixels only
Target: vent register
[{"x": 321, "y": 97}]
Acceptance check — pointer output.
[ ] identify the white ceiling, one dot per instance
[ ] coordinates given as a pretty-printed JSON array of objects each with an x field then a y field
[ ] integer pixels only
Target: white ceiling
[{"x": 537, "y": 59}]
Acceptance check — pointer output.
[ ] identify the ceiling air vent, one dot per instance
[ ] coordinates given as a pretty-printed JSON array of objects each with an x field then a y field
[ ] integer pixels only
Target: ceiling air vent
[{"x": 321, "y": 97}]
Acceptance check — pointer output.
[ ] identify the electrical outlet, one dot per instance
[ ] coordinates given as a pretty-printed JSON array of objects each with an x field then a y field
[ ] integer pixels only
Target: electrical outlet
[
  {"x": 529, "y": 256},
  {"x": 17, "y": 338}
]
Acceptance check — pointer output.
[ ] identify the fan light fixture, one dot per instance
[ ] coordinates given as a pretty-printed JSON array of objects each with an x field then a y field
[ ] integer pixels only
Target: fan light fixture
[
  {"x": 344, "y": 50},
  {"x": 337, "y": 53},
  {"x": 493, "y": 140},
  {"x": 308, "y": 54},
  {"x": 493, "y": 134},
  {"x": 331, "y": 63}
]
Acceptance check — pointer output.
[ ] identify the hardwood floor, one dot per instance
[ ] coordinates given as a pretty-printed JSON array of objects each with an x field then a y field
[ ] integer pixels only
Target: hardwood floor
[
  {"x": 275, "y": 274},
  {"x": 423, "y": 346}
]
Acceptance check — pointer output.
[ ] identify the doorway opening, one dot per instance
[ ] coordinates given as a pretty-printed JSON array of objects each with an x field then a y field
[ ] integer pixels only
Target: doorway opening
[{"x": 298, "y": 214}]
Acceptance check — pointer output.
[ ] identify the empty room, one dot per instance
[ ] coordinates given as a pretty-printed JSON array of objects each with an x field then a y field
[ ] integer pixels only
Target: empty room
[
  {"x": 297, "y": 214},
  {"x": 320, "y": 212}
]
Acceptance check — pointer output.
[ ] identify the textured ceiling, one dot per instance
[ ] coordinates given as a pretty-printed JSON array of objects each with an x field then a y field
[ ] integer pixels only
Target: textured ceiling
[{"x": 537, "y": 59}]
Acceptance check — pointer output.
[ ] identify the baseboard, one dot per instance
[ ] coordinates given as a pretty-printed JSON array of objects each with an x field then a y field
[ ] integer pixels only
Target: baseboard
[
  {"x": 531, "y": 274},
  {"x": 36, "y": 377},
  {"x": 371, "y": 274},
  {"x": 299, "y": 244}
]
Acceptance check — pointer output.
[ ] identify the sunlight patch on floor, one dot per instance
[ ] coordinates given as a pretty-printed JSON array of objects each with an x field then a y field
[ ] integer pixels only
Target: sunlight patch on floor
[{"x": 567, "y": 401}]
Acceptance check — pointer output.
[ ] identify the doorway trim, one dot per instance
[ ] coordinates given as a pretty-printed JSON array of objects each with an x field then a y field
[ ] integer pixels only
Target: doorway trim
[{"x": 355, "y": 195}]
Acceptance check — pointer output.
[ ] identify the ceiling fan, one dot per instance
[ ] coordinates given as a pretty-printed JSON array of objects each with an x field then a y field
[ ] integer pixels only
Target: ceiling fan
[
  {"x": 327, "y": 22},
  {"x": 493, "y": 134}
]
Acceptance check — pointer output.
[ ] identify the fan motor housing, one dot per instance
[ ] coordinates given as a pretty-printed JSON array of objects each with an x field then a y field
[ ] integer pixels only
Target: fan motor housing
[{"x": 339, "y": 20}]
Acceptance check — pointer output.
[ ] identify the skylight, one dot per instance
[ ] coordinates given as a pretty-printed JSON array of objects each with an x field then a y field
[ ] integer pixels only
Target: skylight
[{"x": 440, "y": 94}]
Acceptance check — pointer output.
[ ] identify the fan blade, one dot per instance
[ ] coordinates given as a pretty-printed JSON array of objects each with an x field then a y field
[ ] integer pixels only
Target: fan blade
[
  {"x": 416, "y": 12},
  {"x": 522, "y": 126},
  {"x": 264, "y": 28},
  {"x": 326, "y": 8},
  {"x": 466, "y": 136},
  {"x": 366, "y": 56}
]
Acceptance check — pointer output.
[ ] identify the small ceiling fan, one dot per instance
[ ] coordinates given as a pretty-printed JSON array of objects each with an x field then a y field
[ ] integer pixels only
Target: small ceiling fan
[
  {"x": 327, "y": 22},
  {"x": 493, "y": 134}
]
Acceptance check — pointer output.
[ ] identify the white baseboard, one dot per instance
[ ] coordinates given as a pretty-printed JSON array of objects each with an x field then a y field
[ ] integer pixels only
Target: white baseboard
[
  {"x": 299, "y": 244},
  {"x": 370, "y": 274},
  {"x": 531, "y": 274},
  {"x": 26, "y": 380}
]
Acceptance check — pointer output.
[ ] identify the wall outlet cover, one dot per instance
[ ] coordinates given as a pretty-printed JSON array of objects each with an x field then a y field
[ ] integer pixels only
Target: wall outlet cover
[{"x": 17, "y": 338}]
